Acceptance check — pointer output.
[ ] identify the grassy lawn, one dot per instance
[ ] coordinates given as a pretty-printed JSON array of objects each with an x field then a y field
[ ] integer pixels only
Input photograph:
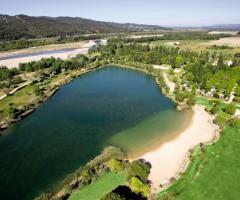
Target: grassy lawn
[
  {"x": 1, "y": 93},
  {"x": 98, "y": 189},
  {"x": 213, "y": 175},
  {"x": 204, "y": 101},
  {"x": 21, "y": 97},
  {"x": 62, "y": 78}
]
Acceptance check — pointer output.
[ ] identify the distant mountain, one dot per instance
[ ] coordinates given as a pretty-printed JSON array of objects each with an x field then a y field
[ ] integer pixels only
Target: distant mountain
[
  {"x": 223, "y": 27},
  {"x": 23, "y": 26}
]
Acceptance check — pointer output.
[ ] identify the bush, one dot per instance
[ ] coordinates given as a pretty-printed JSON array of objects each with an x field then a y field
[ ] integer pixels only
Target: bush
[
  {"x": 191, "y": 101},
  {"x": 112, "y": 196},
  {"x": 139, "y": 187},
  {"x": 179, "y": 96},
  {"x": 230, "y": 108},
  {"x": 234, "y": 122},
  {"x": 115, "y": 165},
  {"x": 221, "y": 120},
  {"x": 214, "y": 110},
  {"x": 139, "y": 169}
]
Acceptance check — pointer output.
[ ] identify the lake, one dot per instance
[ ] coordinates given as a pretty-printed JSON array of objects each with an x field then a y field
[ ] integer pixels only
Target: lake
[{"x": 109, "y": 106}]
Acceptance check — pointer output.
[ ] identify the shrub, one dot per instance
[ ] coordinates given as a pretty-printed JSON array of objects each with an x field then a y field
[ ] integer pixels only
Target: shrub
[
  {"x": 234, "y": 122},
  {"x": 115, "y": 165},
  {"x": 221, "y": 120},
  {"x": 214, "y": 110},
  {"x": 191, "y": 100},
  {"x": 112, "y": 196},
  {"x": 139, "y": 169},
  {"x": 230, "y": 108},
  {"x": 139, "y": 187}
]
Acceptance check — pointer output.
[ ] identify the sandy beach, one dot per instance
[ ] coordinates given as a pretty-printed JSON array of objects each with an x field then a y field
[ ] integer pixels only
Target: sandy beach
[{"x": 167, "y": 159}]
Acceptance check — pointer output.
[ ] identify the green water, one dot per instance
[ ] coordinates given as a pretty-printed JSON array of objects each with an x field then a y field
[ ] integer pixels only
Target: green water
[{"x": 112, "y": 105}]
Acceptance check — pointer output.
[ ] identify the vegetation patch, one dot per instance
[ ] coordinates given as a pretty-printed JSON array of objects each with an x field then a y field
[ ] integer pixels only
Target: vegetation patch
[{"x": 101, "y": 187}]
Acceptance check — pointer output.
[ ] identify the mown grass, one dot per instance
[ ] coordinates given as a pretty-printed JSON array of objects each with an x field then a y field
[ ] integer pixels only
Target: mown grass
[
  {"x": 204, "y": 101},
  {"x": 102, "y": 186},
  {"x": 213, "y": 174}
]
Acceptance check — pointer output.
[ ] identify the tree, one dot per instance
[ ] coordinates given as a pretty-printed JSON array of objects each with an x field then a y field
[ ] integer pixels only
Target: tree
[
  {"x": 191, "y": 100},
  {"x": 37, "y": 90},
  {"x": 112, "y": 196},
  {"x": 12, "y": 112},
  {"x": 179, "y": 96},
  {"x": 220, "y": 62}
]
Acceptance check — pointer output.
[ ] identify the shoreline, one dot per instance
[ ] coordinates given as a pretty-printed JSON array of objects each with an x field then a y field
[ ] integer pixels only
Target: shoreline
[
  {"x": 5, "y": 125},
  {"x": 170, "y": 159},
  {"x": 172, "y": 135}
]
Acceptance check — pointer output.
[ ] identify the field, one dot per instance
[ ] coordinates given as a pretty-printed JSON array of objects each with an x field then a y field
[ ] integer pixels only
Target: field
[
  {"x": 212, "y": 174},
  {"x": 98, "y": 189},
  {"x": 231, "y": 41},
  {"x": 205, "y": 102},
  {"x": 22, "y": 97},
  {"x": 202, "y": 45}
]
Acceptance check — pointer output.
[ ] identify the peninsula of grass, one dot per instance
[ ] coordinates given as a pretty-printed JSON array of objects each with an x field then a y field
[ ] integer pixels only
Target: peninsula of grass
[{"x": 99, "y": 188}]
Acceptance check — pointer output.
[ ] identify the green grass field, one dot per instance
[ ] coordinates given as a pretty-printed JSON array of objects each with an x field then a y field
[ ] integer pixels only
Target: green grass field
[
  {"x": 102, "y": 186},
  {"x": 212, "y": 175},
  {"x": 21, "y": 97},
  {"x": 204, "y": 101}
]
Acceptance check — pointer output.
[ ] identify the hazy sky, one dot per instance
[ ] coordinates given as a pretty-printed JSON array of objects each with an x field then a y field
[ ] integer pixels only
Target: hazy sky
[{"x": 161, "y": 12}]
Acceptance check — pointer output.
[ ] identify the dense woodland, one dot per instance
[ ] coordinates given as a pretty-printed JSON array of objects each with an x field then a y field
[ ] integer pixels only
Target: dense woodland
[
  {"x": 23, "y": 43},
  {"x": 206, "y": 72},
  {"x": 23, "y": 26},
  {"x": 189, "y": 35}
]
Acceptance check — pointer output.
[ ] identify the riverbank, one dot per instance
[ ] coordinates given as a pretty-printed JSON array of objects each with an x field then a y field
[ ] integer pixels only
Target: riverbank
[
  {"x": 14, "y": 62},
  {"x": 168, "y": 161},
  {"x": 5, "y": 124},
  {"x": 33, "y": 106},
  {"x": 164, "y": 90}
]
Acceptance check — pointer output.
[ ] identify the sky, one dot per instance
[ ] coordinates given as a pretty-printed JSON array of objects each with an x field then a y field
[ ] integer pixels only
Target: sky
[{"x": 159, "y": 12}]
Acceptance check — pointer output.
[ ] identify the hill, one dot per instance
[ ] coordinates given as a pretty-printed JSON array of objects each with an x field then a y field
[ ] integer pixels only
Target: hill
[{"x": 23, "y": 26}]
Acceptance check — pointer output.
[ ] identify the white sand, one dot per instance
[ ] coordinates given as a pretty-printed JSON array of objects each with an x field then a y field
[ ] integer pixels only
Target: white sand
[
  {"x": 10, "y": 63},
  {"x": 163, "y": 67},
  {"x": 223, "y": 32},
  {"x": 168, "y": 159},
  {"x": 170, "y": 84},
  {"x": 237, "y": 113},
  {"x": 14, "y": 62}
]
